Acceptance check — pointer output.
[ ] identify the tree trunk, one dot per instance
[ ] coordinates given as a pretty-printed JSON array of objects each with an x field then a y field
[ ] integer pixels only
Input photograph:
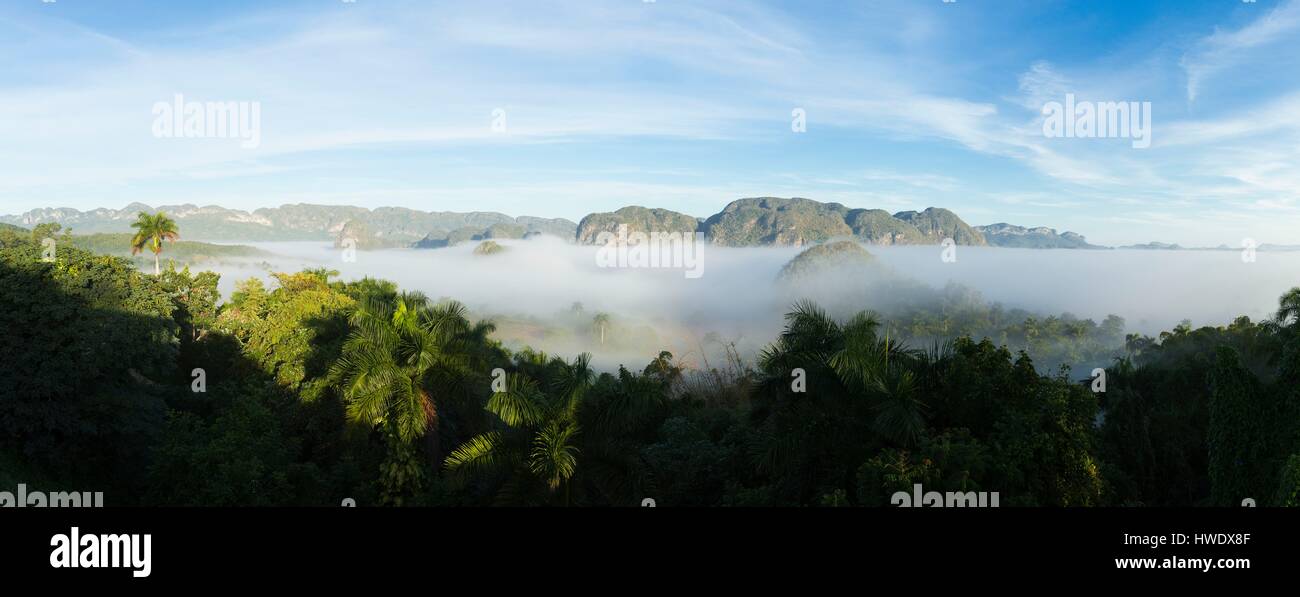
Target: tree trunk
[{"x": 156, "y": 271}]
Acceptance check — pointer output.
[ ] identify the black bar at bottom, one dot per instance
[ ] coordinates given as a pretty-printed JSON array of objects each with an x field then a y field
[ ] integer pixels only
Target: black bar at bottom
[{"x": 329, "y": 546}]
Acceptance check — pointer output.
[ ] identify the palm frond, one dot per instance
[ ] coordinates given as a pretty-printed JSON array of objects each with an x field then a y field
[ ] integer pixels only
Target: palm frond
[
  {"x": 480, "y": 453},
  {"x": 899, "y": 413},
  {"x": 518, "y": 405},
  {"x": 554, "y": 458}
]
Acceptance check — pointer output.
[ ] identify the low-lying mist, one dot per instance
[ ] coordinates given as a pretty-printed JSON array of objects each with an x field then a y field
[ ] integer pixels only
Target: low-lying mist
[{"x": 546, "y": 293}]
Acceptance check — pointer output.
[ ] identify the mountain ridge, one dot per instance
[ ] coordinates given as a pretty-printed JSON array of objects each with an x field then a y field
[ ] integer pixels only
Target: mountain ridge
[
  {"x": 753, "y": 221},
  {"x": 1037, "y": 237},
  {"x": 385, "y": 226}
]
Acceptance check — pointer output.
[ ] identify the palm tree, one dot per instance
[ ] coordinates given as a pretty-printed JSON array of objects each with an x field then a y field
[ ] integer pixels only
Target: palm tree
[
  {"x": 663, "y": 368},
  {"x": 601, "y": 321},
  {"x": 1288, "y": 310},
  {"x": 859, "y": 385},
  {"x": 399, "y": 350},
  {"x": 150, "y": 232},
  {"x": 1285, "y": 325},
  {"x": 538, "y": 432}
]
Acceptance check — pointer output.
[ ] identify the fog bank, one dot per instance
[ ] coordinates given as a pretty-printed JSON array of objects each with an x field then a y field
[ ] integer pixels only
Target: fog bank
[{"x": 531, "y": 289}]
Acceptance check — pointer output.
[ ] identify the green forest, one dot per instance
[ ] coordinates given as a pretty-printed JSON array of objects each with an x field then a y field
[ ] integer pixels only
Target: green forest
[{"x": 313, "y": 390}]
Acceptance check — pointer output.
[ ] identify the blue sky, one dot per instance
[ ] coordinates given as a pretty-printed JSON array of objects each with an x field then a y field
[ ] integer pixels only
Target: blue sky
[{"x": 678, "y": 104}]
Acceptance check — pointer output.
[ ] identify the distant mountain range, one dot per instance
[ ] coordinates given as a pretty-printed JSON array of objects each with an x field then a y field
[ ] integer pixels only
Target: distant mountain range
[
  {"x": 766, "y": 221},
  {"x": 760, "y": 221},
  {"x": 381, "y": 227},
  {"x": 1157, "y": 246},
  {"x": 1008, "y": 235}
]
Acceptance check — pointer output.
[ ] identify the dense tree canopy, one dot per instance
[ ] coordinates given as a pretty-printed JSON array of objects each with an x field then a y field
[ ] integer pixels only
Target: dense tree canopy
[{"x": 316, "y": 390}]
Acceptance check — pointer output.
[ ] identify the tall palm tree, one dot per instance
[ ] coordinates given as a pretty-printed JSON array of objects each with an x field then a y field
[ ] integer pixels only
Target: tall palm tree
[
  {"x": 401, "y": 349},
  {"x": 150, "y": 232},
  {"x": 601, "y": 321}
]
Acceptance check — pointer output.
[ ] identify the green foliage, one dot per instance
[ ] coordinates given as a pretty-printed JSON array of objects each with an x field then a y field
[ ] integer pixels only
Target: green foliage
[
  {"x": 488, "y": 247},
  {"x": 952, "y": 461},
  {"x": 797, "y": 222},
  {"x": 1238, "y": 438},
  {"x": 536, "y": 438},
  {"x": 637, "y": 219},
  {"x": 359, "y": 232},
  {"x": 776, "y": 221},
  {"x": 50, "y": 230},
  {"x": 870, "y": 400},
  {"x": 291, "y": 332},
  {"x": 692, "y": 458},
  {"x": 922, "y": 315},
  {"x": 878, "y": 227},
  {"x": 834, "y": 257},
  {"x": 1204, "y": 416},
  {"x": 1054, "y": 340},
  {"x": 150, "y": 232},
  {"x": 400, "y": 355},
  {"x": 320, "y": 390},
  {"x": 478, "y": 231},
  {"x": 194, "y": 298},
  {"x": 505, "y": 231},
  {"x": 1007, "y": 235},
  {"x": 240, "y": 458},
  {"x": 937, "y": 223},
  {"x": 86, "y": 341},
  {"x": 1288, "y": 486},
  {"x": 183, "y": 252}
]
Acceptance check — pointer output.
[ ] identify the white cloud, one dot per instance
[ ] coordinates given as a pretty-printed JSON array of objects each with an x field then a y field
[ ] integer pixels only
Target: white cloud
[
  {"x": 1225, "y": 48},
  {"x": 371, "y": 79}
]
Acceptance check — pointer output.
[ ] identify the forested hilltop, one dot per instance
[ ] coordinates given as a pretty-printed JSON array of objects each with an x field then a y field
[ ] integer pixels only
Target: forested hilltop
[{"x": 315, "y": 390}]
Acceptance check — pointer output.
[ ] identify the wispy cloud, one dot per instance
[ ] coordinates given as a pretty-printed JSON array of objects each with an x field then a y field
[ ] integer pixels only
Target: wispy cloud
[
  {"x": 1228, "y": 47},
  {"x": 684, "y": 105}
]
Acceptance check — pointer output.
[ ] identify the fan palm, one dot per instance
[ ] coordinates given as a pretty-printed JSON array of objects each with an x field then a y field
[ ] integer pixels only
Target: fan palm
[{"x": 150, "y": 232}]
